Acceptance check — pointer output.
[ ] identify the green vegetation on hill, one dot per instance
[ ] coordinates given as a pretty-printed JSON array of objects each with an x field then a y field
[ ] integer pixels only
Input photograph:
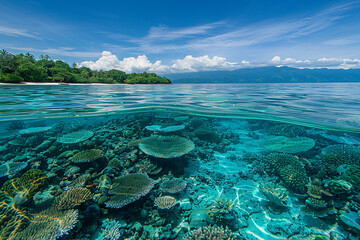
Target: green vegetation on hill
[{"x": 24, "y": 67}]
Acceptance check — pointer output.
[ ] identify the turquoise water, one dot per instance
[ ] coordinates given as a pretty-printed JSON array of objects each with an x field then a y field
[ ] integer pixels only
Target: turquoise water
[{"x": 218, "y": 161}]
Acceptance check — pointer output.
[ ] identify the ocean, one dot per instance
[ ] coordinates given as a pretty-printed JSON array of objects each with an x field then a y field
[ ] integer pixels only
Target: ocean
[{"x": 180, "y": 161}]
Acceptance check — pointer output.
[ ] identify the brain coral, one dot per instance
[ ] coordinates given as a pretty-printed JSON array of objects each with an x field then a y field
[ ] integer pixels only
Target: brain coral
[
  {"x": 288, "y": 145},
  {"x": 76, "y": 137},
  {"x": 166, "y": 146},
  {"x": 87, "y": 156},
  {"x": 11, "y": 168},
  {"x": 289, "y": 169},
  {"x": 129, "y": 188}
]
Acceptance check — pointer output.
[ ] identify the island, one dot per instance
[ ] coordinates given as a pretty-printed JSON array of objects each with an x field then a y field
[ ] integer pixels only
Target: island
[{"x": 25, "y": 68}]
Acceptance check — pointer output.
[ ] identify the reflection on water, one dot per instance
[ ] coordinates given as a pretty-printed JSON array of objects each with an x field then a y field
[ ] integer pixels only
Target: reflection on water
[{"x": 334, "y": 105}]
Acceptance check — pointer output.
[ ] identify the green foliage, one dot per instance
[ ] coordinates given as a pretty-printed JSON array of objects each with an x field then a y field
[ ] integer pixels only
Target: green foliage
[
  {"x": 12, "y": 78},
  {"x": 24, "y": 67}
]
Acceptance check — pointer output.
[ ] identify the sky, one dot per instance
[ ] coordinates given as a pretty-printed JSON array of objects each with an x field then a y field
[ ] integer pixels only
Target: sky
[{"x": 185, "y": 36}]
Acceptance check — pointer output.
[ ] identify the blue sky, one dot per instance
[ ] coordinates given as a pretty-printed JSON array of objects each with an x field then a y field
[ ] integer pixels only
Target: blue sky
[{"x": 182, "y": 36}]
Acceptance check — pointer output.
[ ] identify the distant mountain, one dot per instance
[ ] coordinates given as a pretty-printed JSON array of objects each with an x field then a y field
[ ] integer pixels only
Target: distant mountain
[{"x": 268, "y": 75}]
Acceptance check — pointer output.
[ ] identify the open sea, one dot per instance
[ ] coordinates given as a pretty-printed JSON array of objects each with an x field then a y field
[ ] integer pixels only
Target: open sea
[{"x": 180, "y": 161}]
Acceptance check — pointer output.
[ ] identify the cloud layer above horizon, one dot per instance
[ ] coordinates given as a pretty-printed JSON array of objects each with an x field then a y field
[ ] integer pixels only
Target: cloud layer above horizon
[
  {"x": 213, "y": 36},
  {"x": 141, "y": 63}
]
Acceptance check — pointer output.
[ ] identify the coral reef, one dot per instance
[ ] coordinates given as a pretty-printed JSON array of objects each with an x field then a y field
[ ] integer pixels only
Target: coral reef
[
  {"x": 339, "y": 186},
  {"x": 7, "y": 169},
  {"x": 351, "y": 219},
  {"x": 165, "y": 202},
  {"x": 287, "y": 130},
  {"x": 352, "y": 175},
  {"x": 289, "y": 168},
  {"x": 210, "y": 232},
  {"x": 166, "y": 146},
  {"x": 49, "y": 224},
  {"x": 230, "y": 179},
  {"x": 76, "y": 137},
  {"x": 158, "y": 128},
  {"x": 24, "y": 188},
  {"x": 87, "y": 156},
  {"x": 174, "y": 185},
  {"x": 110, "y": 230},
  {"x": 288, "y": 145},
  {"x": 72, "y": 197},
  {"x": 33, "y": 130},
  {"x": 276, "y": 194},
  {"x": 128, "y": 189}
]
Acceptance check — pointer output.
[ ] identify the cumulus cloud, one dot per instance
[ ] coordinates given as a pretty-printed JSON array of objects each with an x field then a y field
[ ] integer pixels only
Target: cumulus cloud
[
  {"x": 204, "y": 63},
  {"x": 141, "y": 63}
]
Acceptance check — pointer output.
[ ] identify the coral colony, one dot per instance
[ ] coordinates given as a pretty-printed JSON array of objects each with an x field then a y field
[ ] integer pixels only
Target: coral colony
[{"x": 172, "y": 176}]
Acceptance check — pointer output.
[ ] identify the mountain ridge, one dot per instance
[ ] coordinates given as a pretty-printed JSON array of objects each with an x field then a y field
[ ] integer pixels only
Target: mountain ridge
[{"x": 268, "y": 75}]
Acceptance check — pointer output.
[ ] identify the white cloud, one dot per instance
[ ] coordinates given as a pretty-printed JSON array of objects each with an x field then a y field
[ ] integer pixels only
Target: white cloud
[
  {"x": 61, "y": 51},
  {"x": 142, "y": 63},
  {"x": 331, "y": 63},
  {"x": 204, "y": 63},
  {"x": 15, "y": 32},
  {"x": 109, "y": 61}
]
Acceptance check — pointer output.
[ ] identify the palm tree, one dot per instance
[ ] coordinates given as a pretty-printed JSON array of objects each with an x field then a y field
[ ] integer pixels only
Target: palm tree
[{"x": 29, "y": 57}]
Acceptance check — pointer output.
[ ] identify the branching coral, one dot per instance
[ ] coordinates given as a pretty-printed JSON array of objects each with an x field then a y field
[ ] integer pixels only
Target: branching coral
[
  {"x": 166, "y": 146},
  {"x": 352, "y": 175},
  {"x": 14, "y": 193},
  {"x": 339, "y": 186},
  {"x": 148, "y": 167},
  {"x": 72, "y": 197},
  {"x": 318, "y": 207},
  {"x": 276, "y": 194},
  {"x": 78, "y": 182},
  {"x": 128, "y": 189},
  {"x": 49, "y": 224},
  {"x": 334, "y": 156},
  {"x": 76, "y": 137},
  {"x": 174, "y": 185},
  {"x": 87, "y": 156},
  {"x": 221, "y": 208},
  {"x": 26, "y": 186},
  {"x": 165, "y": 202},
  {"x": 289, "y": 168},
  {"x": 110, "y": 230},
  {"x": 210, "y": 232}
]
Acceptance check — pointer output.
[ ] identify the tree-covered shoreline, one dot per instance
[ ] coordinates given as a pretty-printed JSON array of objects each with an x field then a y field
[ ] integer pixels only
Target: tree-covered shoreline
[{"x": 25, "y": 68}]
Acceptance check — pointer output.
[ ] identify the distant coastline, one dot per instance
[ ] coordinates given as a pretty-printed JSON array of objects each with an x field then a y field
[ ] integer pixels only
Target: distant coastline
[{"x": 24, "y": 68}]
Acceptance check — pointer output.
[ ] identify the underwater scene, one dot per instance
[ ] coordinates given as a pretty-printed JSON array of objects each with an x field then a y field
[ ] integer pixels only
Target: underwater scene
[{"x": 241, "y": 161}]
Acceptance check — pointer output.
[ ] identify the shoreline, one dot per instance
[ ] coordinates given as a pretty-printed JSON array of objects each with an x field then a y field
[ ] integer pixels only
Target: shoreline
[{"x": 64, "y": 84}]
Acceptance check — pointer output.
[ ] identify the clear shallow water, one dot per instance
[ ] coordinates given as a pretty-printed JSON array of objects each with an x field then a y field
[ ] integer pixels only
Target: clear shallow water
[
  {"x": 180, "y": 162},
  {"x": 333, "y": 105}
]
